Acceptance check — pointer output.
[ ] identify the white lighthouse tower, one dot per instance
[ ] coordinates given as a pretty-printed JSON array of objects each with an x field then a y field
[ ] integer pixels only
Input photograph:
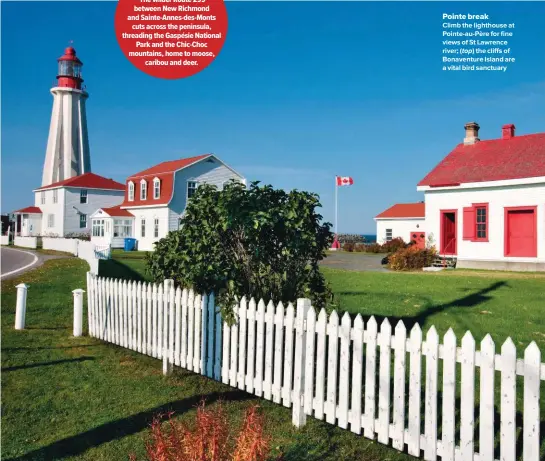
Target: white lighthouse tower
[{"x": 67, "y": 152}]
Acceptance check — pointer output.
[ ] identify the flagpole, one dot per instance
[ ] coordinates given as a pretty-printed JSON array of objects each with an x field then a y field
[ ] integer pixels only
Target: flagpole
[{"x": 336, "y": 208}]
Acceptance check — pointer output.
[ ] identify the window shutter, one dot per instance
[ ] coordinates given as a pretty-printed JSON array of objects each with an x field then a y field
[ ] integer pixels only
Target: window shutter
[{"x": 469, "y": 223}]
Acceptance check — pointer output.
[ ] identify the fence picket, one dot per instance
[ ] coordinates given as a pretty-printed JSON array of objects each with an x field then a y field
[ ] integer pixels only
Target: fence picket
[
  {"x": 357, "y": 364},
  {"x": 486, "y": 400},
  {"x": 508, "y": 401},
  {"x": 198, "y": 305},
  {"x": 154, "y": 324},
  {"x": 204, "y": 334},
  {"x": 226, "y": 350},
  {"x": 310, "y": 360},
  {"x": 90, "y": 307},
  {"x": 259, "y": 348},
  {"x": 139, "y": 297},
  {"x": 531, "y": 423},
  {"x": 211, "y": 338},
  {"x": 131, "y": 315},
  {"x": 449, "y": 395},
  {"x": 400, "y": 345},
  {"x": 243, "y": 336},
  {"x": 178, "y": 328},
  {"x": 298, "y": 414},
  {"x": 117, "y": 311},
  {"x": 278, "y": 343},
  {"x": 149, "y": 314},
  {"x": 288, "y": 356},
  {"x": 190, "y": 329},
  {"x": 161, "y": 307},
  {"x": 168, "y": 303},
  {"x": 383, "y": 429},
  {"x": 109, "y": 295},
  {"x": 269, "y": 333},
  {"x": 234, "y": 349},
  {"x": 97, "y": 291},
  {"x": 467, "y": 397},
  {"x": 415, "y": 380},
  {"x": 124, "y": 315},
  {"x": 321, "y": 331},
  {"x": 370, "y": 337},
  {"x": 171, "y": 322},
  {"x": 184, "y": 323},
  {"x": 333, "y": 345},
  {"x": 430, "y": 413},
  {"x": 344, "y": 365},
  {"x": 218, "y": 344},
  {"x": 251, "y": 314}
]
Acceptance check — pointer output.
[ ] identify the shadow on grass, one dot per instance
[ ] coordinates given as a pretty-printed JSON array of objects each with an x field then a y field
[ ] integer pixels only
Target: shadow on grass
[
  {"x": 471, "y": 300},
  {"x": 44, "y": 364},
  {"x": 116, "y": 269},
  {"x": 78, "y": 444}
]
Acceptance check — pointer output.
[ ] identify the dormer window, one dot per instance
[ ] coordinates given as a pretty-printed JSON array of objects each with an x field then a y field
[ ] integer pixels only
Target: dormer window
[
  {"x": 156, "y": 188},
  {"x": 131, "y": 191},
  {"x": 143, "y": 190}
]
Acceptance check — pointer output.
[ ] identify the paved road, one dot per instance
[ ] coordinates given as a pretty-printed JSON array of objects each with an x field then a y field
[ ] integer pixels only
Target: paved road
[
  {"x": 355, "y": 261},
  {"x": 16, "y": 262}
]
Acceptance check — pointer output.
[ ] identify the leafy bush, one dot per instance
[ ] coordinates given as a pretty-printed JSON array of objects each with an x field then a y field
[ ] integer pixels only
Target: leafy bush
[
  {"x": 348, "y": 246},
  {"x": 254, "y": 241},
  {"x": 210, "y": 438},
  {"x": 79, "y": 236},
  {"x": 374, "y": 248},
  {"x": 359, "y": 247},
  {"x": 393, "y": 245},
  {"x": 411, "y": 258}
]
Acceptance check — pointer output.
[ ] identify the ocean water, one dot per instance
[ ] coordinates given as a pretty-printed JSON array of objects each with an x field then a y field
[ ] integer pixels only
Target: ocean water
[{"x": 370, "y": 238}]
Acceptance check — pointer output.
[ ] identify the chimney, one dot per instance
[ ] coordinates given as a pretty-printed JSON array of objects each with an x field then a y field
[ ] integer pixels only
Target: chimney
[
  {"x": 508, "y": 131},
  {"x": 472, "y": 133}
]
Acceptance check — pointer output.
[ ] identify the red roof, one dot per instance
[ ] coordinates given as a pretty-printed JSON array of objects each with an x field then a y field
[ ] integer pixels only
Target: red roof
[
  {"x": 117, "y": 211},
  {"x": 404, "y": 210},
  {"x": 165, "y": 173},
  {"x": 29, "y": 209},
  {"x": 493, "y": 160},
  {"x": 89, "y": 181}
]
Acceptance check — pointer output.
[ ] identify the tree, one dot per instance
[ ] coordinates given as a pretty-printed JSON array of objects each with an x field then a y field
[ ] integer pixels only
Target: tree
[{"x": 255, "y": 241}]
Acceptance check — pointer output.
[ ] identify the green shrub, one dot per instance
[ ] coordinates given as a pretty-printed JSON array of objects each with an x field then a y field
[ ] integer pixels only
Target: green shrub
[{"x": 393, "y": 245}]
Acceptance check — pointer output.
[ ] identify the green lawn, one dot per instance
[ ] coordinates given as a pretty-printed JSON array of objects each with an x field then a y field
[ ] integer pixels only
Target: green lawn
[{"x": 78, "y": 398}]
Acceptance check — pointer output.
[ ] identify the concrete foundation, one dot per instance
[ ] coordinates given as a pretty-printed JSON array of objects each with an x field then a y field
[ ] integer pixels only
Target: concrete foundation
[{"x": 517, "y": 266}]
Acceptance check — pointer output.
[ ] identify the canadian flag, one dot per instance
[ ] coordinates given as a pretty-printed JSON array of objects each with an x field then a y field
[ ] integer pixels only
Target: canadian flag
[{"x": 344, "y": 181}]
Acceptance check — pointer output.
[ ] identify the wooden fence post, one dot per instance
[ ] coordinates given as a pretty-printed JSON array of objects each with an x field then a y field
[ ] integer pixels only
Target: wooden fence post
[
  {"x": 78, "y": 312},
  {"x": 299, "y": 417},
  {"x": 20, "y": 308}
]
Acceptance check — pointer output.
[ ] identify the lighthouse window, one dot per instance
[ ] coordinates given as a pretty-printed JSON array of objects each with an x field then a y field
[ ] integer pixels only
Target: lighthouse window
[
  {"x": 83, "y": 196},
  {"x": 51, "y": 220},
  {"x": 55, "y": 195},
  {"x": 143, "y": 190},
  {"x": 42, "y": 197}
]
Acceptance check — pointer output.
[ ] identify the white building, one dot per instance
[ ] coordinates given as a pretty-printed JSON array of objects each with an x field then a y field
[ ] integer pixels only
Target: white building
[
  {"x": 70, "y": 193},
  {"x": 110, "y": 226},
  {"x": 157, "y": 197},
  {"x": 485, "y": 202},
  {"x": 402, "y": 220},
  {"x": 65, "y": 207}
]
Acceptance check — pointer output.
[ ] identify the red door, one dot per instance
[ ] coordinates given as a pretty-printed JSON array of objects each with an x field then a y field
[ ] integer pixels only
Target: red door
[
  {"x": 419, "y": 238},
  {"x": 448, "y": 232},
  {"x": 521, "y": 233}
]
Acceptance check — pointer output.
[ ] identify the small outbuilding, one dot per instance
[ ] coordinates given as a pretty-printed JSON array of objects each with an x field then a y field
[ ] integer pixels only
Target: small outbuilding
[{"x": 402, "y": 220}]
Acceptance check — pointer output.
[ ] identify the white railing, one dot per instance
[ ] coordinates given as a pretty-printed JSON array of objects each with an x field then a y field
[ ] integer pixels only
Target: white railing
[
  {"x": 103, "y": 251},
  {"x": 328, "y": 367}
]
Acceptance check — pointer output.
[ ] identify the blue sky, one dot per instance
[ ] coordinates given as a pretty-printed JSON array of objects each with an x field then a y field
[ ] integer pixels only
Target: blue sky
[{"x": 301, "y": 92}]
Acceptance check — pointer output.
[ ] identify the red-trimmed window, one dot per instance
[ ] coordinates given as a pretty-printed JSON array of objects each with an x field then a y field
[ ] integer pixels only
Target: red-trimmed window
[{"x": 476, "y": 222}]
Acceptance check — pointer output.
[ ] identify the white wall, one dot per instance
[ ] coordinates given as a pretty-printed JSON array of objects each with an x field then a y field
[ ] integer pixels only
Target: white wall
[
  {"x": 203, "y": 172},
  {"x": 95, "y": 199},
  {"x": 497, "y": 198},
  {"x": 33, "y": 225},
  {"x": 26, "y": 242},
  {"x": 48, "y": 208},
  {"x": 4, "y": 239},
  {"x": 86, "y": 251},
  {"x": 400, "y": 228},
  {"x": 61, "y": 244},
  {"x": 149, "y": 214}
]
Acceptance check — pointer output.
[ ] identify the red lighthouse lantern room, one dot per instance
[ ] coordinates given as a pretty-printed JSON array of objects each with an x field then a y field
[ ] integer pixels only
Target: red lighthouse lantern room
[{"x": 69, "y": 73}]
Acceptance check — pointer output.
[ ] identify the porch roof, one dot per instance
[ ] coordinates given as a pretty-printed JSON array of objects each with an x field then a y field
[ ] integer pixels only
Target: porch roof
[{"x": 29, "y": 210}]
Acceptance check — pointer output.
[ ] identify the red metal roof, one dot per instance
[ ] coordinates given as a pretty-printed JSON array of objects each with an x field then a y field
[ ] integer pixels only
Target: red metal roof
[
  {"x": 404, "y": 210},
  {"x": 88, "y": 181},
  {"x": 116, "y": 211},
  {"x": 29, "y": 209},
  {"x": 165, "y": 172},
  {"x": 492, "y": 160}
]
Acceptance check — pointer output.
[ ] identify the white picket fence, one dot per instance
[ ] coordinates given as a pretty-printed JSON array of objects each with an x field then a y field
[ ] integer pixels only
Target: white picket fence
[{"x": 350, "y": 374}]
